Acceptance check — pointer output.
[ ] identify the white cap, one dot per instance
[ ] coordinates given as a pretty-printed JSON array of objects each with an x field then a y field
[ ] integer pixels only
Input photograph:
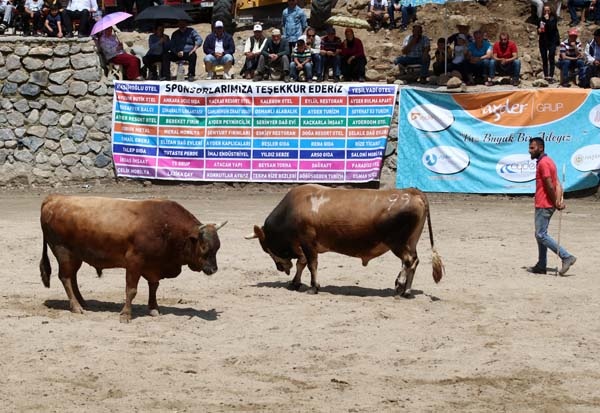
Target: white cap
[
  {"x": 257, "y": 28},
  {"x": 218, "y": 23}
]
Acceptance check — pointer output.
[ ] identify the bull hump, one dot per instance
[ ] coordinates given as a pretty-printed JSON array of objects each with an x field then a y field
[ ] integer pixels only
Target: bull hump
[{"x": 316, "y": 201}]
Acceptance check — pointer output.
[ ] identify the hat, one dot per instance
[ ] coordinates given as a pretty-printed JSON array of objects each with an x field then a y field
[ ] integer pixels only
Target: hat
[
  {"x": 597, "y": 32},
  {"x": 275, "y": 32},
  {"x": 218, "y": 23},
  {"x": 257, "y": 28},
  {"x": 573, "y": 32},
  {"x": 462, "y": 37}
]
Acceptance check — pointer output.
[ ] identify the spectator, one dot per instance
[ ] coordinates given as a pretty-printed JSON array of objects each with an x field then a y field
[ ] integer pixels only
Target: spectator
[
  {"x": 572, "y": 6},
  {"x": 442, "y": 57},
  {"x": 459, "y": 60},
  {"x": 331, "y": 47},
  {"x": 274, "y": 56},
  {"x": 252, "y": 50},
  {"x": 144, "y": 26},
  {"x": 301, "y": 61},
  {"x": 594, "y": 12},
  {"x": 415, "y": 51},
  {"x": 219, "y": 49},
  {"x": 313, "y": 41},
  {"x": 33, "y": 13},
  {"x": 548, "y": 40},
  {"x": 377, "y": 14},
  {"x": 293, "y": 23},
  {"x": 462, "y": 28},
  {"x": 112, "y": 49},
  {"x": 505, "y": 60},
  {"x": 6, "y": 10},
  {"x": 82, "y": 10},
  {"x": 53, "y": 23},
  {"x": 158, "y": 52},
  {"x": 127, "y": 7},
  {"x": 354, "y": 60},
  {"x": 592, "y": 59},
  {"x": 479, "y": 53},
  {"x": 539, "y": 6},
  {"x": 184, "y": 43},
  {"x": 407, "y": 14},
  {"x": 571, "y": 57}
]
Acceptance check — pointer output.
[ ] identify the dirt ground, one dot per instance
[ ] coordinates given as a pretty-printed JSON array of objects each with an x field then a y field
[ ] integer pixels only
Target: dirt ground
[{"x": 490, "y": 337}]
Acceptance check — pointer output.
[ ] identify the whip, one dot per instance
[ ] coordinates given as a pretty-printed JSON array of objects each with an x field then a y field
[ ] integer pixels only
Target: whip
[{"x": 562, "y": 197}]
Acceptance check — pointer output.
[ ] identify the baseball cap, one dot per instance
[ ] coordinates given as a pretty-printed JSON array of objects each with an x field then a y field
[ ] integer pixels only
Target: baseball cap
[
  {"x": 218, "y": 23},
  {"x": 257, "y": 28},
  {"x": 275, "y": 32},
  {"x": 463, "y": 37},
  {"x": 573, "y": 32}
]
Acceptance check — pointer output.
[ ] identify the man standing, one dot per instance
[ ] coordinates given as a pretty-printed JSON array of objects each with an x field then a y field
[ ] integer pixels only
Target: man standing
[
  {"x": 219, "y": 49},
  {"x": 505, "y": 59},
  {"x": 548, "y": 198},
  {"x": 293, "y": 23}
]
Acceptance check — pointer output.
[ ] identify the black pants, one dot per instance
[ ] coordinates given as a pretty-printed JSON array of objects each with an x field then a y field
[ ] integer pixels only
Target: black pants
[
  {"x": 84, "y": 21},
  {"x": 165, "y": 62},
  {"x": 38, "y": 22},
  {"x": 354, "y": 70},
  {"x": 190, "y": 58}
]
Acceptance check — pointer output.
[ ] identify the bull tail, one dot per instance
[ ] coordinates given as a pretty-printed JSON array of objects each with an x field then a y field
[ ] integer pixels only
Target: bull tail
[
  {"x": 436, "y": 259},
  {"x": 45, "y": 269},
  {"x": 98, "y": 271}
]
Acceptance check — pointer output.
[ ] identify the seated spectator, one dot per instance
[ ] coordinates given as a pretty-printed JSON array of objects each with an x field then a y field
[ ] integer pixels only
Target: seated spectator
[
  {"x": 252, "y": 49},
  {"x": 331, "y": 47},
  {"x": 459, "y": 60},
  {"x": 479, "y": 53},
  {"x": 274, "y": 56},
  {"x": 313, "y": 42},
  {"x": 6, "y": 11},
  {"x": 113, "y": 51},
  {"x": 354, "y": 60},
  {"x": 592, "y": 59},
  {"x": 158, "y": 51},
  {"x": 301, "y": 61},
  {"x": 442, "y": 57},
  {"x": 33, "y": 14},
  {"x": 462, "y": 29},
  {"x": 82, "y": 10},
  {"x": 53, "y": 23},
  {"x": 377, "y": 14},
  {"x": 407, "y": 14},
  {"x": 184, "y": 43},
  {"x": 505, "y": 60},
  {"x": 571, "y": 57},
  {"x": 572, "y": 6},
  {"x": 415, "y": 51},
  {"x": 219, "y": 49}
]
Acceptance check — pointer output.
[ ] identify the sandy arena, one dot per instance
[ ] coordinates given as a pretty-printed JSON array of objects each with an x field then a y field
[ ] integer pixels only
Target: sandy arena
[{"x": 490, "y": 337}]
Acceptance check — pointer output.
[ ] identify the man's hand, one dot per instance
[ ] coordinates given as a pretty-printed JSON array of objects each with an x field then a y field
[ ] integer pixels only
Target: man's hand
[
  {"x": 273, "y": 57},
  {"x": 560, "y": 205}
]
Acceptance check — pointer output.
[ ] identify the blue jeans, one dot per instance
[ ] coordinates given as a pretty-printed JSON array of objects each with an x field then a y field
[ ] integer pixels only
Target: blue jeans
[
  {"x": 566, "y": 65},
  {"x": 226, "y": 58},
  {"x": 572, "y": 6},
  {"x": 513, "y": 68},
  {"x": 307, "y": 71},
  {"x": 423, "y": 61},
  {"x": 545, "y": 241},
  {"x": 317, "y": 60},
  {"x": 407, "y": 13}
]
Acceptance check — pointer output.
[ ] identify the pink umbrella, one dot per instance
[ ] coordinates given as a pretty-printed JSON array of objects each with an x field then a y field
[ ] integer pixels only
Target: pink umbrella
[{"x": 109, "y": 20}]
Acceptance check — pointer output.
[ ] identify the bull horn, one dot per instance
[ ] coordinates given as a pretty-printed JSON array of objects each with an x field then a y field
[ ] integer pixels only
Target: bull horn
[
  {"x": 220, "y": 225},
  {"x": 251, "y": 236}
]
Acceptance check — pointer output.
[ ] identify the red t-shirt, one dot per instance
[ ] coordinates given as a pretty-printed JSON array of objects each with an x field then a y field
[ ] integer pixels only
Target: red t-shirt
[
  {"x": 507, "y": 53},
  {"x": 546, "y": 168}
]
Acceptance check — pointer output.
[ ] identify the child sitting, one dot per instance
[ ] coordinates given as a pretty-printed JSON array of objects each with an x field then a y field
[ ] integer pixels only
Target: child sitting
[
  {"x": 443, "y": 58},
  {"x": 301, "y": 60},
  {"x": 53, "y": 23}
]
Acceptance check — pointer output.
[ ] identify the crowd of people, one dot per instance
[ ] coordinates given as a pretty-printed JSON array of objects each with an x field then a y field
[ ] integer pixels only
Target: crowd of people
[{"x": 478, "y": 61}]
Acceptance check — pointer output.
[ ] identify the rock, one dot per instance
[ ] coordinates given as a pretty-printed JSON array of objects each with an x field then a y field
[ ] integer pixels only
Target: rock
[
  {"x": 61, "y": 77},
  {"x": 58, "y": 90},
  {"x": 540, "y": 83},
  {"x": 22, "y": 105},
  {"x": 83, "y": 61},
  {"x": 70, "y": 160},
  {"x": 33, "y": 118},
  {"x": 38, "y": 131},
  {"x": 57, "y": 63},
  {"x": 40, "y": 78},
  {"x": 66, "y": 120},
  {"x": 454, "y": 83},
  {"x": 86, "y": 106},
  {"x": 29, "y": 89},
  {"x": 102, "y": 161},
  {"x": 77, "y": 133},
  {"x": 6, "y": 134},
  {"x": 49, "y": 118},
  {"x": 41, "y": 158},
  {"x": 23, "y": 155},
  {"x": 88, "y": 75},
  {"x": 595, "y": 83},
  {"x": 67, "y": 146},
  {"x": 13, "y": 62},
  {"x": 68, "y": 104},
  {"x": 9, "y": 88},
  {"x": 32, "y": 64},
  {"x": 54, "y": 160},
  {"x": 51, "y": 145},
  {"x": 41, "y": 51},
  {"x": 33, "y": 143},
  {"x": 374, "y": 75},
  {"x": 55, "y": 134},
  {"x": 77, "y": 88},
  {"x": 18, "y": 76}
]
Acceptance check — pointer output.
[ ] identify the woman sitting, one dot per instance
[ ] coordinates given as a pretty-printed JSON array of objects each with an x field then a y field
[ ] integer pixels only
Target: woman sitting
[{"x": 112, "y": 49}]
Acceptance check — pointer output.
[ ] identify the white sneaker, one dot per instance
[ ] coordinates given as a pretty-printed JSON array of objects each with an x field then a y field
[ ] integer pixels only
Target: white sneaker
[
  {"x": 226, "y": 76},
  {"x": 209, "y": 75}
]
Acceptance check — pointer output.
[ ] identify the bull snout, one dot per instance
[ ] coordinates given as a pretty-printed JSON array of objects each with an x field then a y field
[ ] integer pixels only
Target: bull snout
[
  {"x": 209, "y": 269},
  {"x": 282, "y": 268}
]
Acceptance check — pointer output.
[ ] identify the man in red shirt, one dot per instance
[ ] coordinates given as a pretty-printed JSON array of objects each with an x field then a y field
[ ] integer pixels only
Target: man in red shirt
[
  {"x": 548, "y": 198},
  {"x": 504, "y": 59}
]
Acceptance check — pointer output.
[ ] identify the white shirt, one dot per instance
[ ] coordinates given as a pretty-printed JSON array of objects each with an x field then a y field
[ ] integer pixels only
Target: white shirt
[
  {"x": 257, "y": 45},
  {"x": 75, "y": 5},
  {"x": 34, "y": 5},
  {"x": 219, "y": 46}
]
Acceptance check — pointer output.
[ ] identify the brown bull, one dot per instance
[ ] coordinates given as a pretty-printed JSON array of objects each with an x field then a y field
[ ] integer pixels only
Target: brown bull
[
  {"x": 149, "y": 238},
  {"x": 361, "y": 223}
]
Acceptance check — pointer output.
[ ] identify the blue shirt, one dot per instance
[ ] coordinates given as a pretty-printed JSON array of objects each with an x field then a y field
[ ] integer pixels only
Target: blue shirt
[
  {"x": 293, "y": 23},
  {"x": 481, "y": 51},
  {"x": 185, "y": 41}
]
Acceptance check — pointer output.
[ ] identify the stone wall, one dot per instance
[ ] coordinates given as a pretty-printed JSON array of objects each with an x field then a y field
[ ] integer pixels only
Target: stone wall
[
  {"x": 55, "y": 117},
  {"x": 56, "y": 108}
]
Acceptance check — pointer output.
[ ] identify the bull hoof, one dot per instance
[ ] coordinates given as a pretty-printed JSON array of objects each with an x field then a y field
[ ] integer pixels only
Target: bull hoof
[
  {"x": 294, "y": 287},
  {"x": 154, "y": 312},
  {"x": 125, "y": 318},
  {"x": 312, "y": 290},
  {"x": 77, "y": 310}
]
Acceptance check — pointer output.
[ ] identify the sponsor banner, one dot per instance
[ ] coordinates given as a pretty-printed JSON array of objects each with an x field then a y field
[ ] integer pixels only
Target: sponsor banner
[
  {"x": 246, "y": 131},
  {"x": 479, "y": 142}
]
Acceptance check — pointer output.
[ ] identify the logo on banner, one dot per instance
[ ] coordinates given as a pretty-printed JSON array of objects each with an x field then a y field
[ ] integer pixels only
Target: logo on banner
[
  {"x": 587, "y": 158},
  {"x": 445, "y": 160},
  {"x": 521, "y": 108},
  {"x": 516, "y": 168},
  {"x": 430, "y": 118},
  {"x": 595, "y": 116}
]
